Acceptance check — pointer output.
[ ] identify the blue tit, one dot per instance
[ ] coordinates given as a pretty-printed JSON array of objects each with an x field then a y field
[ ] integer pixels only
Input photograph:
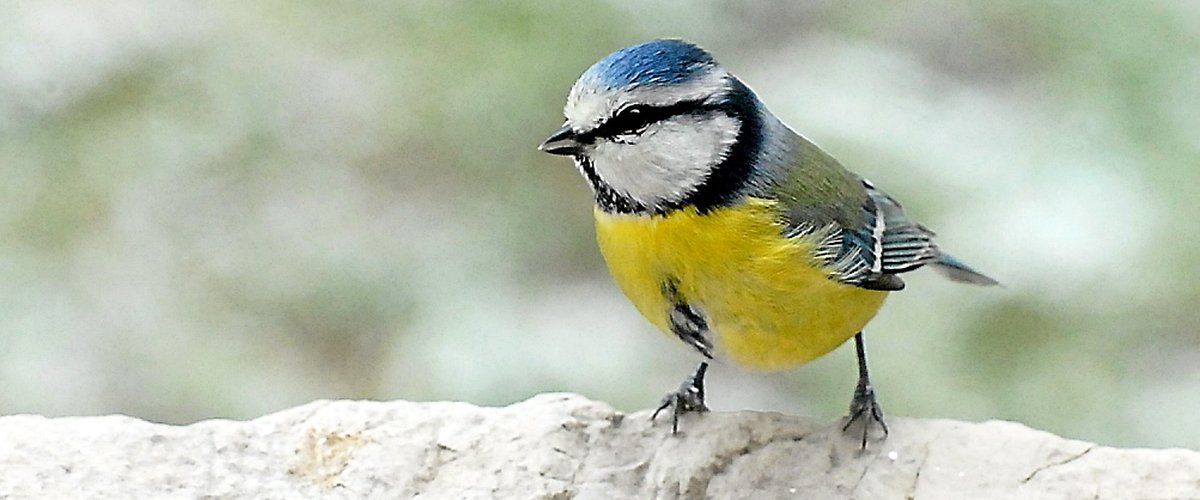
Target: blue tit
[{"x": 726, "y": 228}]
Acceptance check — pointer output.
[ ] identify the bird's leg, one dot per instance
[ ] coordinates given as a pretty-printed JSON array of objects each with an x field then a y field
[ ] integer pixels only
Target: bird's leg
[
  {"x": 688, "y": 398},
  {"x": 864, "y": 406}
]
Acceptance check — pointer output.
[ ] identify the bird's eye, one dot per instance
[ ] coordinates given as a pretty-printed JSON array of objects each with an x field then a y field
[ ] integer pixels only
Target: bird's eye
[{"x": 630, "y": 120}]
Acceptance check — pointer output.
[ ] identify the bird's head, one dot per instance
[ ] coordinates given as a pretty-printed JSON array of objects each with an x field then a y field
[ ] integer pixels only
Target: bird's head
[{"x": 649, "y": 124}]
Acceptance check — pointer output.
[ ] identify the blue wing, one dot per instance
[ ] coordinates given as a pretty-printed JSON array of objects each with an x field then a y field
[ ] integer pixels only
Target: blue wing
[{"x": 885, "y": 244}]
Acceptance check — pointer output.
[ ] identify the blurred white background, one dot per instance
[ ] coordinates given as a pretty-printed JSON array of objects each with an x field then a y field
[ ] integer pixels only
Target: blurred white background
[{"x": 224, "y": 209}]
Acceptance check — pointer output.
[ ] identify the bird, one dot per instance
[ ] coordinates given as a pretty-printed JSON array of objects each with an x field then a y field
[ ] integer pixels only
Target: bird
[{"x": 729, "y": 230}]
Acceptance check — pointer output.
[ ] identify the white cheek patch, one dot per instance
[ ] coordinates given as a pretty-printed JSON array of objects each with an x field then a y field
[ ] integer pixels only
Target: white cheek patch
[{"x": 669, "y": 160}]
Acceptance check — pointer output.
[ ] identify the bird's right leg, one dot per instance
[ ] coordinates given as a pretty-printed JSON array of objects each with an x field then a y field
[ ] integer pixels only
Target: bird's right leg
[
  {"x": 688, "y": 398},
  {"x": 689, "y": 324}
]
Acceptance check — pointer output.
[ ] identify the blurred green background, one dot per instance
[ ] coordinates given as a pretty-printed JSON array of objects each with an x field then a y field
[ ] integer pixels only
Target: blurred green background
[{"x": 223, "y": 209}]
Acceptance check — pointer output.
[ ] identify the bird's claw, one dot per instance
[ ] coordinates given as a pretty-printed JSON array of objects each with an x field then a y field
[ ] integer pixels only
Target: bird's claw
[
  {"x": 866, "y": 408},
  {"x": 687, "y": 399}
]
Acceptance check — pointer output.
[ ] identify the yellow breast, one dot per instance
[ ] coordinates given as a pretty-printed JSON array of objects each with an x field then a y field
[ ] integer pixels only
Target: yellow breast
[{"x": 768, "y": 302}]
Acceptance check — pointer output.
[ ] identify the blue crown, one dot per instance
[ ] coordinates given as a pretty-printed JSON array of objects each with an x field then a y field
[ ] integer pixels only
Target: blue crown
[{"x": 657, "y": 62}]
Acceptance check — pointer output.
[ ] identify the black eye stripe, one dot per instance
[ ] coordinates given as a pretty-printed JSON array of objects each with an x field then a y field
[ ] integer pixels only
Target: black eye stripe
[{"x": 636, "y": 118}]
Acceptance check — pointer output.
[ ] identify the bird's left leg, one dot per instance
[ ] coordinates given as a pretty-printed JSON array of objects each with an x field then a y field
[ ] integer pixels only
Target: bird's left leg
[
  {"x": 864, "y": 406},
  {"x": 688, "y": 398}
]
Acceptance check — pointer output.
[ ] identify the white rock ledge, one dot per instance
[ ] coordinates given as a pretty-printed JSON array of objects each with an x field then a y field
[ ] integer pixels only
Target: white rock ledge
[{"x": 563, "y": 446}]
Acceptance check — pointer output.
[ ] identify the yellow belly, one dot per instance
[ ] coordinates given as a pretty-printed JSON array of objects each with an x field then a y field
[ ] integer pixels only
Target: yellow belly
[{"x": 768, "y": 302}]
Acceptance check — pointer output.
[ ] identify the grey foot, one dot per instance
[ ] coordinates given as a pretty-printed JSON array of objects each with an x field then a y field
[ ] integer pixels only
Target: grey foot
[{"x": 688, "y": 398}]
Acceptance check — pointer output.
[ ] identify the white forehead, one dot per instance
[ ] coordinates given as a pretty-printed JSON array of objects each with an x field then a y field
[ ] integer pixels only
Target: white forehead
[{"x": 589, "y": 103}]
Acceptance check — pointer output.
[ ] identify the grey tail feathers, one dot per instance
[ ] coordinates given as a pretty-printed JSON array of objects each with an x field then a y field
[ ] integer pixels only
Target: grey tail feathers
[{"x": 954, "y": 269}]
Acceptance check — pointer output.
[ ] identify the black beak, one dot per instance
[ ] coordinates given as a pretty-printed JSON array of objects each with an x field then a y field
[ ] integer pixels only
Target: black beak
[{"x": 562, "y": 142}]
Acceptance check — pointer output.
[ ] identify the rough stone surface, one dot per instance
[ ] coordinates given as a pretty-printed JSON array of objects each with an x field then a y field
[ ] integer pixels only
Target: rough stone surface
[{"x": 560, "y": 446}]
